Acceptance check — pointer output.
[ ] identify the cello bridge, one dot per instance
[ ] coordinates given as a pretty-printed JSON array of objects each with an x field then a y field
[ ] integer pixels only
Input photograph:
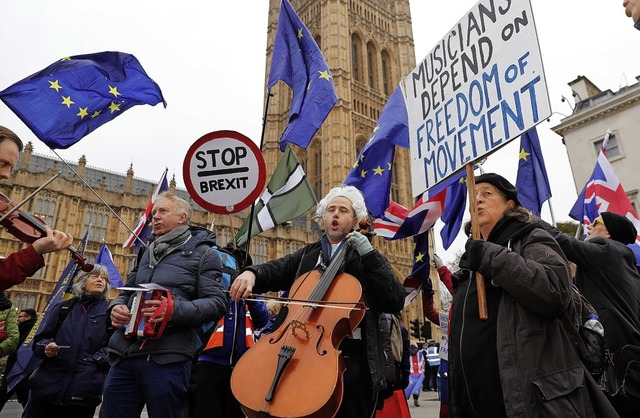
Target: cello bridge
[{"x": 299, "y": 326}]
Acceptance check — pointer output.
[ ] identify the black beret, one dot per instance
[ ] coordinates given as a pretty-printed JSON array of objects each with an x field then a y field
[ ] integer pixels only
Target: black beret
[
  {"x": 501, "y": 184},
  {"x": 620, "y": 228}
]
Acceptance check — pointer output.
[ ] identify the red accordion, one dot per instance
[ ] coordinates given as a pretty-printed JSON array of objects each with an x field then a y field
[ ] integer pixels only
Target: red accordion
[{"x": 140, "y": 326}]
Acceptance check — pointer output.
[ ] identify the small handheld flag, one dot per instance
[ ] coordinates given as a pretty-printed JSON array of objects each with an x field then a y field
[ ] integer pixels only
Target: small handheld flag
[
  {"x": 143, "y": 227},
  {"x": 105, "y": 259}
]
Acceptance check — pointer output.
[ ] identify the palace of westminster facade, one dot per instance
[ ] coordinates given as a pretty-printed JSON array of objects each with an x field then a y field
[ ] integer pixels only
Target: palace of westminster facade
[{"x": 368, "y": 45}]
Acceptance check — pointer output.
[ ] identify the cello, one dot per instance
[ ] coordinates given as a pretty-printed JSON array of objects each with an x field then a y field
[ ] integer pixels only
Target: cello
[{"x": 297, "y": 371}]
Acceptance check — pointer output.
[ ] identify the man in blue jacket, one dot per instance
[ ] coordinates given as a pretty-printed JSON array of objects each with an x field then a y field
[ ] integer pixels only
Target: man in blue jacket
[{"x": 156, "y": 372}]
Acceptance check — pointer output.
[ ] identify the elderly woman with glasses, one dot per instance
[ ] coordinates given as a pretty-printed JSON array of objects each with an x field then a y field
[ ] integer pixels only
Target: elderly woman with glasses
[{"x": 72, "y": 345}]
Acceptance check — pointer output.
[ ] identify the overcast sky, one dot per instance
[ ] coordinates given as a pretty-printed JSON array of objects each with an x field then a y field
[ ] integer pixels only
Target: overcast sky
[{"x": 209, "y": 59}]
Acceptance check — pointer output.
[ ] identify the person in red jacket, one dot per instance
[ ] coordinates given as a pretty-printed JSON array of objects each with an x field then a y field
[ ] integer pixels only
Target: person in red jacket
[{"x": 15, "y": 268}]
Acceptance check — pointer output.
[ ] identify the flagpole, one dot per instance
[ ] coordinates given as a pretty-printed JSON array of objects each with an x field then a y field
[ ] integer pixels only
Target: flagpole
[
  {"x": 253, "y": 205},
  {"x": 475, "y": 234},
  {"x": 97, "y": 195},
  {"x": 553, "y": 218}
]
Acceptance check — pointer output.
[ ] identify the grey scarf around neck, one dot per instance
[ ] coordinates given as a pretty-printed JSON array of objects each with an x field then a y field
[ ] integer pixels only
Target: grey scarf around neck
[{"x": 166, "y": 243}]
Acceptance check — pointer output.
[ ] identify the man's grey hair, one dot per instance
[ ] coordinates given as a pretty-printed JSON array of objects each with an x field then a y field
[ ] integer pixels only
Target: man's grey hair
[
  {"x": 79, "y": 285},
  {"x": 181, "y": 205},
  {"x": 349, "y": 192}
]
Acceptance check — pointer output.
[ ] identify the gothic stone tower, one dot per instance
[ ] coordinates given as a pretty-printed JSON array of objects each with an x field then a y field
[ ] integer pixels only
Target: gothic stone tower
[{"x": 368, "y": 45}]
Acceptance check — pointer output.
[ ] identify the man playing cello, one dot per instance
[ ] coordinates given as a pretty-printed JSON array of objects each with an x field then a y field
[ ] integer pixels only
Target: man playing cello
[
  {"x": 341, "y": 210},
  {"x": 24, "y": 263}
]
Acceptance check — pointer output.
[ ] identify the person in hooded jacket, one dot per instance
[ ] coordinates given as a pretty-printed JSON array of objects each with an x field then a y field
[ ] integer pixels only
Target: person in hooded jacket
[
  {"x": 519, "y": 362},
  {"x": 68, "y": 382},
  {"x": 606, "y": 275}
]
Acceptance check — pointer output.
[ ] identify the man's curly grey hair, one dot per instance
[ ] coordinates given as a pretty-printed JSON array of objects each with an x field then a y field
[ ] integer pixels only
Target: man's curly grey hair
[
  {"x": 79, "y": 285},
  {"x": 349, "y": 192}
]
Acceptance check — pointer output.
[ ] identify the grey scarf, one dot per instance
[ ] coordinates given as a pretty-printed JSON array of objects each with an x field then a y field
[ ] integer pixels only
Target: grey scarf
[{"x": 166, "y": 243}]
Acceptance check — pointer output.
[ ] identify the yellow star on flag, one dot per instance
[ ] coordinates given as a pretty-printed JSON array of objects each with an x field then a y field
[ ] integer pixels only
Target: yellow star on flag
[
  {"x": 114, "y": 91},
  {"x": 114, "y": 107},
  {"x": 378, "y": 171},
  {"x": 300, "y": 33},
  {"x": 83, "y": 112},
  {"x": 54, "y": 85},
  {"x": 355, "y": 165},
  {"x": 419, "y": 258},
  {"x": 363, "y": 174},
  {"x": 67, "y": 101},
  {"x": 95, "y": 114},
  {"x": 325, "y": 74},
  {"x": 524, "y": 154},
  {"x": 66, "y": 59},
  {"x": 389, "y": 165}
]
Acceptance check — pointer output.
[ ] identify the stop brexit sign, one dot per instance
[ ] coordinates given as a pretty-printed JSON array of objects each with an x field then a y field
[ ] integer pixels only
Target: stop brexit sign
[{"x": 224, "y": 172}]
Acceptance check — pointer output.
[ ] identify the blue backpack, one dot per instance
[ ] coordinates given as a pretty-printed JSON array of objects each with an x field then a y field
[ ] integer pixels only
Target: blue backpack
[{"x": 229, "y": 272}]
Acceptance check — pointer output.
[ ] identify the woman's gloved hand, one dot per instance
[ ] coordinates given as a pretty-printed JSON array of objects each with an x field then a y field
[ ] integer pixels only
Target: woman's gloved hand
[{"x": 472, "y": 258}]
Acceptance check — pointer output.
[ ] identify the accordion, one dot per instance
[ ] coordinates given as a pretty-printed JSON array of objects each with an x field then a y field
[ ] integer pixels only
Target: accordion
[{"x": 139, "y": 325}]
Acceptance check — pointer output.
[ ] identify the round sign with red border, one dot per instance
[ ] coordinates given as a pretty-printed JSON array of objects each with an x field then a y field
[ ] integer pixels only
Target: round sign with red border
[{"x": 224, "y": 172}]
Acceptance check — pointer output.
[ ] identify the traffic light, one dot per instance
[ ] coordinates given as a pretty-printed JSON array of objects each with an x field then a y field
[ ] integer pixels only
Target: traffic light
[
  {"x": 415, "y": 328},
  {"x": 426, "y": 331}
]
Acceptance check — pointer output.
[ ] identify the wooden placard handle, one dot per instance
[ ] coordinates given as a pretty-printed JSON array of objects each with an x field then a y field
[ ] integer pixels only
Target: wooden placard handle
[{"x": 475, "y": 234}]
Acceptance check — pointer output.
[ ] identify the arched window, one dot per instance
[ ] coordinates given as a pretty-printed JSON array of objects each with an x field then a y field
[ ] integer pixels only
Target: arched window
[
  {"x": 356, "y": 59},
  {"x": 372, "y": 70},
  {"x": 45, "y": 209},
  {"x": 386, "y": 73},
  {"x": 95, "y": 222}
]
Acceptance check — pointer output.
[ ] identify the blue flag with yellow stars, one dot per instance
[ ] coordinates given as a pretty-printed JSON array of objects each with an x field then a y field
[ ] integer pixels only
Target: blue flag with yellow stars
[
  {"x": 371, "y": 173},
  {"x": 532, "y": 182},
  {"x": 298, "y": 61},
  {"x": 70, "y": 98}
]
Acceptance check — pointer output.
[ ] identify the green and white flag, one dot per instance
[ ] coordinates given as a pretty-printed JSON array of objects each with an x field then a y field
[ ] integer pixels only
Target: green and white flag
[{"x": 287, "y": 196}]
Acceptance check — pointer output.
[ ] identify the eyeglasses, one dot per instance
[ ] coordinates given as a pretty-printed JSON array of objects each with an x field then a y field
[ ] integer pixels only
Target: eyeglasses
[{"x": 598, "y": 220}]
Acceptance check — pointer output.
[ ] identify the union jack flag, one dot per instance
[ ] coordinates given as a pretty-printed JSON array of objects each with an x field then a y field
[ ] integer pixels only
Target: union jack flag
[
  {"x": 603, "y": 193},
  {"x": 446, "y": 200},
  {"x": 143, "y": 228}
]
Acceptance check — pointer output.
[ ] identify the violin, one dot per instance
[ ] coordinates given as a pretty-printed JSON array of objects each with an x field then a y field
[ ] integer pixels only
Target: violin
[
  {"x": 300, "y": 368},
  {"x": 28, "y": 228}
]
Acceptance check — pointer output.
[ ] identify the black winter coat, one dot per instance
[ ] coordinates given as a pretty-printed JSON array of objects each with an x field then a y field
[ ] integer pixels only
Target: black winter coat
[{"x": 76, "y": 375}]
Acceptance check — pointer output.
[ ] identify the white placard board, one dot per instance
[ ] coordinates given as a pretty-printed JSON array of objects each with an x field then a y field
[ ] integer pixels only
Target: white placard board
[{"x": 481, "y": 86}]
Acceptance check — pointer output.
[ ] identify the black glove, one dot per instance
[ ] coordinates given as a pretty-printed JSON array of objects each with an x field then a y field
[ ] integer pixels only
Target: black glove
[
  {"x": 427, "y": 287},
  {"x": 472, "y": 258}
]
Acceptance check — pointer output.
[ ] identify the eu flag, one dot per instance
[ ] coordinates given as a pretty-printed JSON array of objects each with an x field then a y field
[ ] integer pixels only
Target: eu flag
[
  {"x": 70, "y": 98},
  {"x": 532, "y": 182},
  {"x": 298, "y": 61},
  {"x": 371, "y": 173},
  {"x": 104, "y": 258}
]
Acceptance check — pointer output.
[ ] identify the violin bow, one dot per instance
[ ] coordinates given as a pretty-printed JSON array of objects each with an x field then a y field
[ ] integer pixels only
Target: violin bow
[
  {"x": 99, "y": 197},
  {"x": 28, "y": 198},
  {"x": 304, "y": 302}
]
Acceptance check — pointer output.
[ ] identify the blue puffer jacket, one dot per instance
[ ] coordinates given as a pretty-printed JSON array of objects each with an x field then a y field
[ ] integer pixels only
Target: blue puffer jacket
[
  {"x": 196, "y": 300},
  {"x": 75, "y": 376}
]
